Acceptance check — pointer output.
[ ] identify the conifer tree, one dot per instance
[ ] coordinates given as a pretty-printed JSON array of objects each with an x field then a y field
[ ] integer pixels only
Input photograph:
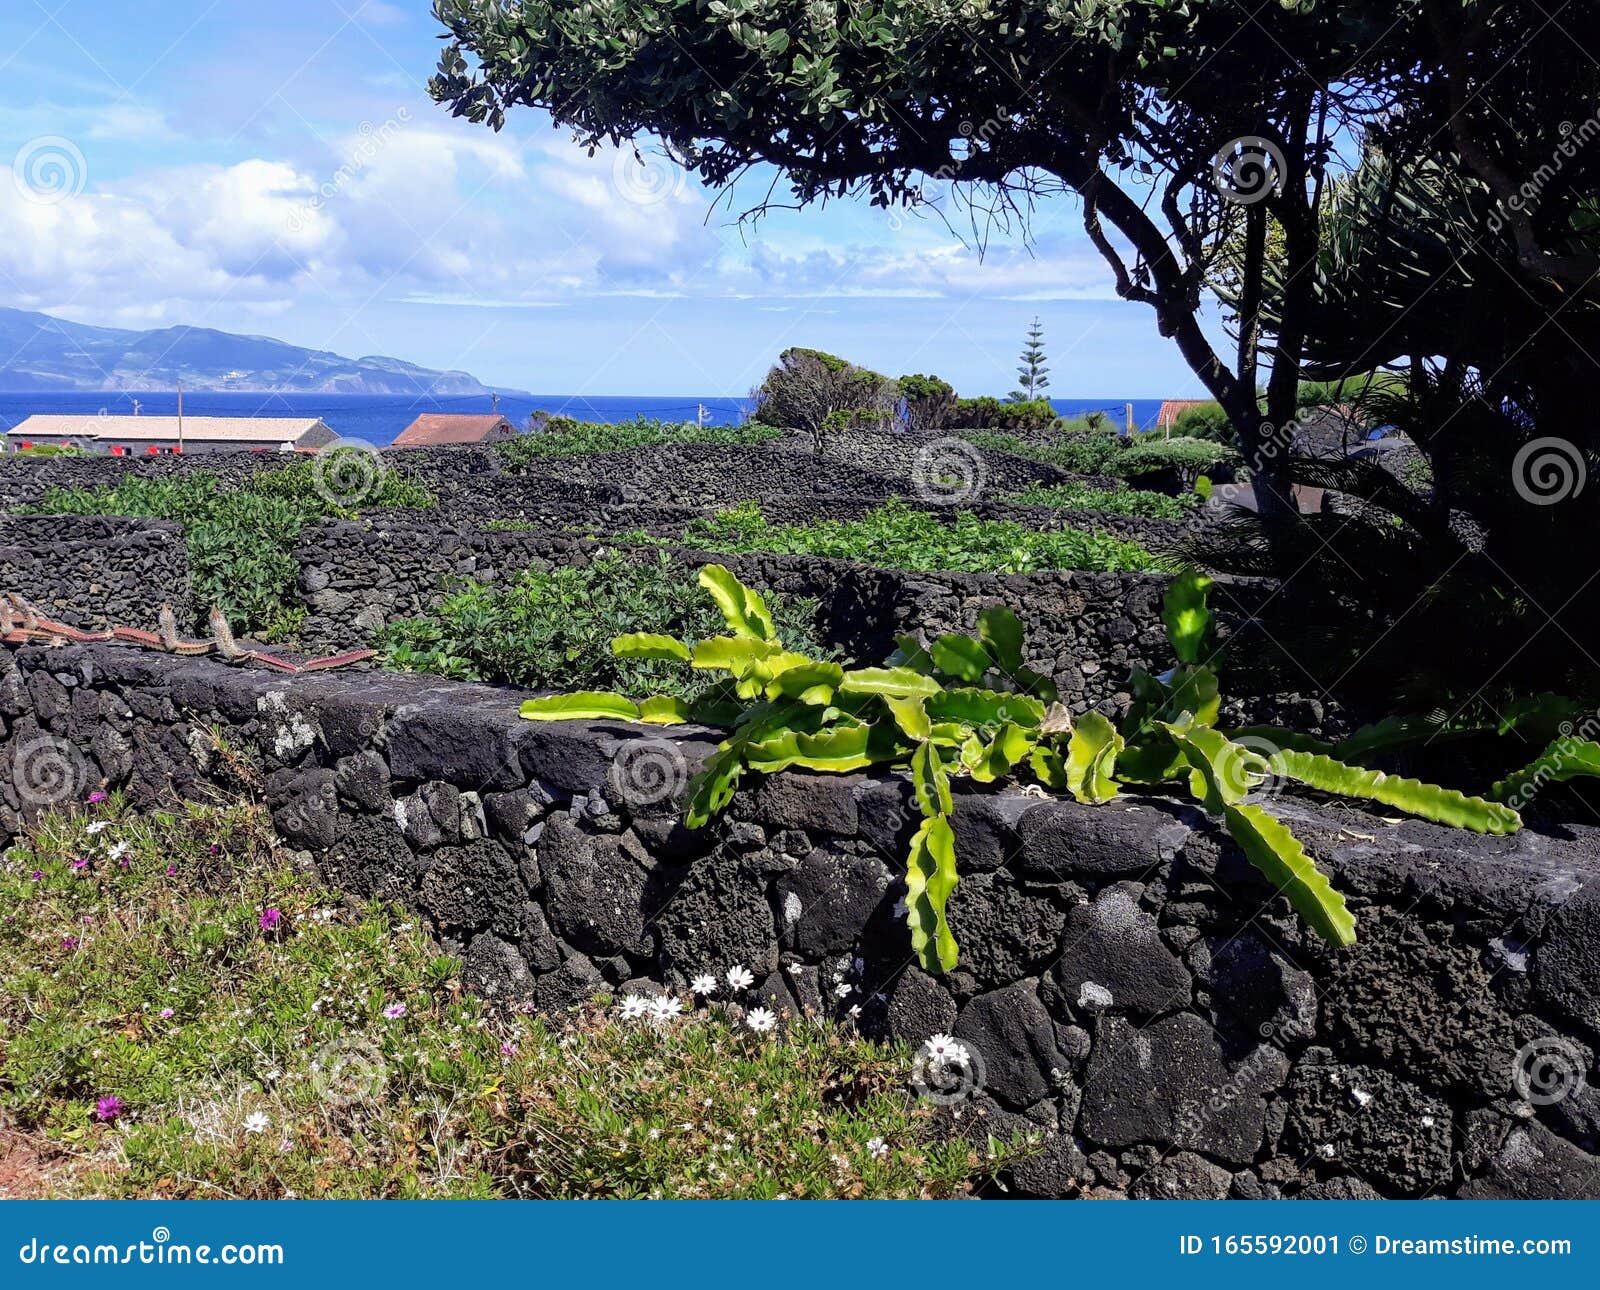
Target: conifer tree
[{"x": 1033, "y": 373}]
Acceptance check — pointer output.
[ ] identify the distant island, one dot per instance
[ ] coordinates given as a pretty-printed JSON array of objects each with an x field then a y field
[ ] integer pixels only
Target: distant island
[{"x": 41, "y": 353}]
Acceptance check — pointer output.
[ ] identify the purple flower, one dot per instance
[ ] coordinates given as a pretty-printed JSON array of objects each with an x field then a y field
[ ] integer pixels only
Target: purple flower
[
  {"x": 166, "y": 1014},
  {"x": 172, "y": 871},
  {"x": 69, "y": 942},
  {"x": 508, "y": 1049},
  {"x": 214, "y": 849},
  {"x": 124, "y": 863},
  {"x": 37, "y": 875},
  {"x": 97, "y": 796},
  {"x": 80, "y": 865},
  {"x": 269, "y": 920},
  {"x": 109, "y": 1108},
  {"x": 394, "y": 1011}
]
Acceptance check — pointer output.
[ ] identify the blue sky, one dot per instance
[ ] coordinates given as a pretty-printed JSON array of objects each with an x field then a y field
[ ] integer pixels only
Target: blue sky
[{"x": 276, "y": 167}]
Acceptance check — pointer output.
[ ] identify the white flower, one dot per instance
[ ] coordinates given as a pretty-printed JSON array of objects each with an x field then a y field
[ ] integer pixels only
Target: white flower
[
  {"x": 634, "y": 1005},
  {"x": 878, "y": 1148},
  {"x": 705, "y": 985},
  {"x": 117, "y": 850},
  {"x": 99, "y": 826},
  {"x": 740, "y": 978},
  {"x": 844, "y": 989},
  {"x": 761, "y": 1020},
  {"x": 855, "y": 1011},
  {"x": 664, "y": 1008},
  {"x": 947, "y": 1051},
  {"x": 256, "y": 1122}
]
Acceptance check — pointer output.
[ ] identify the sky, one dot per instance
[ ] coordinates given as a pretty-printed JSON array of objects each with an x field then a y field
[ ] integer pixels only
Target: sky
[{"x": 276, "y": 167}]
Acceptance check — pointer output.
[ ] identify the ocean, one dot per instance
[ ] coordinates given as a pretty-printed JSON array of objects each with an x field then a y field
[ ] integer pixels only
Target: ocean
[{"x": 379, "y": 418}]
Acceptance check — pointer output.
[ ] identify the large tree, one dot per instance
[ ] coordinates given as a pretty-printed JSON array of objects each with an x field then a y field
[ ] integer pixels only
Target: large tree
[{"x": 1175, "y": 123}]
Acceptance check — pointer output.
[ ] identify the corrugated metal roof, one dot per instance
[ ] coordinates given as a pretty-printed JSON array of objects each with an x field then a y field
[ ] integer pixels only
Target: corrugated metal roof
[
  {"x": 443, "y": 427},
  {"x": 213, "y": 429}
]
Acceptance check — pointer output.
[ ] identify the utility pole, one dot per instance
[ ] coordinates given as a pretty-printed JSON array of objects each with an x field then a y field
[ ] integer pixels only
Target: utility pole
[
  {"x": 1129, "y": 414},
  {"x": 700, "y": 414},
  {"x": 180, "y": 418},
  {"x": 494, "y": 397}
]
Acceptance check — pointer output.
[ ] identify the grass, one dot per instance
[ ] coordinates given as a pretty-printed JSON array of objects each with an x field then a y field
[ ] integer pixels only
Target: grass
[
  {"x": 895, "y": 536},
  {"x": 568, "y": 438},
  {"x": 240, "y": 541},
  {"x": 1121, "y": 500},
  {"x": 330, "y": 1051},
  {"x": 552, "y": 629}
]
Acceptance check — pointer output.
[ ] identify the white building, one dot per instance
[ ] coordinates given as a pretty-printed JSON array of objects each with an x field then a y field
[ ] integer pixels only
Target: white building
[{"x": 150, "y": 436}]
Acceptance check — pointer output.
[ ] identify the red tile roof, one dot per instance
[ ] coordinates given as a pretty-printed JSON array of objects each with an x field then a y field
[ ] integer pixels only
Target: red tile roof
[
  {"x": 1172, "y": 409},
  {"x": 442, "y": 427}
]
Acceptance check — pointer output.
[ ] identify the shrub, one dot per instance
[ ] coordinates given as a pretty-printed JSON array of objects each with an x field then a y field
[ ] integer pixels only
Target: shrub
[
  {"x": 1079, "y": 453},
  {"x": 554, "y": 627},
  {"x": 1103, "y": 454},
  {"x": 927, "y": 403},
  {"x": 988, "y": 413},
  {"x": 1187, "y": 458},
  {"x": 807, "y": 386},
  {"x": 241, "y": 541},
  {"x": 1121, "y": 500},
  {"x": 1208, "y": 421},
  {"x": 268, "y": 1061},
  {"x": 584, "y": 438},
  {"x": 897, "y": 537}
]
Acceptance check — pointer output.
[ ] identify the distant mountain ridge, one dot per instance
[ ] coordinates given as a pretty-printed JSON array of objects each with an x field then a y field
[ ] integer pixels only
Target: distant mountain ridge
[{"x": 39, "y": 353}]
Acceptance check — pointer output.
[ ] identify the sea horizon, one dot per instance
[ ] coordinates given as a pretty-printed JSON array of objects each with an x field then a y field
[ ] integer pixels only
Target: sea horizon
[{"x": 379, "y": 418}]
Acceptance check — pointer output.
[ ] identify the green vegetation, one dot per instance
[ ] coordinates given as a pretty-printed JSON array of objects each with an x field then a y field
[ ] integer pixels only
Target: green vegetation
[
  {"x": 584, "y": 438},
  {"x": 970, "y": 707},
  {"x": 49, "y": 450},
  {"x": 553, "y": 628},
  {"x": 816, "y": 392},
  {"x": 1032, "y": 374},
  {"x": 1121, "y": 500},
  {"x": 986, "y": 413},
  {"x": 895, "y": 536},
  {"x": 1105, "y": 454},
  {"x": 189, "y": 1014},
  {"x": 241, "y": 540}
]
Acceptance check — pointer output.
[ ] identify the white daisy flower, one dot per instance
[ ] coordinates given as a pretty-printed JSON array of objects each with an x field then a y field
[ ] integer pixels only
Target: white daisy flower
[
  {"x": 761, "y": 1020},
  {"x": 946, "y": 1050},
  {"x": 99, "y": 826},
  {"x": 634, "y": 1005},
  {"x": 844, "y": 989},
  {"x": 878, "y": 1148},
  {"x": 740, "y": 978},
  {"x": 118, "y": 849},
  {"x": 256, "y": 1122},
  {"x": 705, "y": 985},
  {"x": 664, "y": 1008}
]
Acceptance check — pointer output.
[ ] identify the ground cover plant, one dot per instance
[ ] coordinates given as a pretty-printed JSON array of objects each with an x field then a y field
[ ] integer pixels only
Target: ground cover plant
[
  {"x": 1093, "y": 453},
  {"x": 969, "y": 707},
  {"x": 896, "y": 536},
  {"x": 584, "y": 438},
  {"x": 241, "y": 540},
  {"x": 553, "y": 627},
  {"x": 185, "y": 1012},
  {"x": 1120, "y": 500}
]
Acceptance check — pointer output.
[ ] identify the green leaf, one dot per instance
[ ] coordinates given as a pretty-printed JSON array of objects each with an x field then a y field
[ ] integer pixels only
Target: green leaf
[
  {"x": 810, "y": 682},
  {"x": 896, "y": 682},
  {"x": 1566, "y": 758},
  {"x": 1195, "y": 690},
  {"x": 1277, "y": 853},
  {"x": 930, "y": 878},
  {"x": 1427, "y": 801},
  {"x": 1010, "y": 745},
  {"x": 910, "y": 715},
  {"x": 985, "y": 708},
  {"x": 713, "y": 788},
  {"x": 1187, "y": 619},
  {"x": 1281, "y": 739},
  {"x": 584, "y": 705},
  {"x": 650, "y": 645},
  {"x": 731, "y": 654},
  {"x": 1001, "y": 632},
  {"x": 1092, "y": 759},
  {"x": 1049, "y": 768},
  {"x": 930, "y": 782},
  {"x": 744, "y": 608},
  {"x": 837, "y": 750},
  {"x": 962, "y": 657},
  {"x": 663, "y": 710}
]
